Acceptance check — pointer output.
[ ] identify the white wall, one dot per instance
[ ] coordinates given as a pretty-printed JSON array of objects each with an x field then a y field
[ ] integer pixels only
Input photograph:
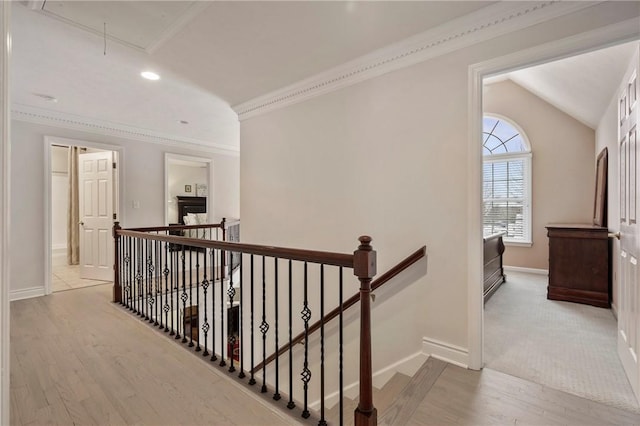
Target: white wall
[
  {"x": 143, "y": 182},
  {"x": 179, "y": 176},
  {"x": 386, "y": 157},
  {"x": 563, "y": 177}
]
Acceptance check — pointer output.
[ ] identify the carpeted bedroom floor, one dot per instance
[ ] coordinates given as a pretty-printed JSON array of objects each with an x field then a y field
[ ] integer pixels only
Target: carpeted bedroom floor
[{"x": 566, "y": 346}]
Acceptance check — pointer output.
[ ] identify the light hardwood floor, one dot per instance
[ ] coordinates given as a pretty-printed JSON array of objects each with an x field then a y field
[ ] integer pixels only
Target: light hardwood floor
[{"x": 76, "y": 358}]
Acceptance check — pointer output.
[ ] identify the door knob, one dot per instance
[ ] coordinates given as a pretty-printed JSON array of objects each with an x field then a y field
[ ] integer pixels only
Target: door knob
[
  {"x": 614, "y": 235},
  {"x": 81, "y": 223}
]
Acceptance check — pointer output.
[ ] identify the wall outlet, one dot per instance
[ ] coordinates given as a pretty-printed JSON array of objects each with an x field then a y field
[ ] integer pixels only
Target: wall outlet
[{"x": 136, "y": 204}]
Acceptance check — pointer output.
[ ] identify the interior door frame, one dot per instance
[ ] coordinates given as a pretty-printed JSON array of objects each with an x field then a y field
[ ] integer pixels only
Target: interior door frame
[
  {"x": 49, "y": 141},
  {"x": 168, "y": 156},
  {"x": 607, "y": 36}
]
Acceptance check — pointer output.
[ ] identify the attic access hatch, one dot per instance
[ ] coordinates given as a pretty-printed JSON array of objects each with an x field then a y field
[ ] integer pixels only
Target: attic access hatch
[{"x": 143, "y": 25}]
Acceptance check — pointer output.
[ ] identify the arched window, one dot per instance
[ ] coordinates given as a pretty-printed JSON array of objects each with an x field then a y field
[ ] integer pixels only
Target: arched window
[{"x": 506, "y": 183}]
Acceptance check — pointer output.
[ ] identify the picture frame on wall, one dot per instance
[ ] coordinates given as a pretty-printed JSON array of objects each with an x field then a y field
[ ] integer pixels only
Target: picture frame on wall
[
  {"x": 187, "y": 188},
  {"x": 201, "y": 190}
]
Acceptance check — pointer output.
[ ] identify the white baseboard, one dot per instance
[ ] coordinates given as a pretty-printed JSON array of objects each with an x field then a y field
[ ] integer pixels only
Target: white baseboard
[
  {"x": 446, "y": 352},
  {"x": 407, "y": 366},
  {"x": 527, "y": 270},
  {"x": 58, "y": 248},
  {"x": 26, "y": 293},
  {"x": 614, "y": 311}
]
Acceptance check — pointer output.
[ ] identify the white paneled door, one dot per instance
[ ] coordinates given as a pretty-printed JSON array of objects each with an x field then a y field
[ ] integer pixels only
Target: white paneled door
[
  {"x": 629, "y": 297},
  {"x": 95, "y": 180}
]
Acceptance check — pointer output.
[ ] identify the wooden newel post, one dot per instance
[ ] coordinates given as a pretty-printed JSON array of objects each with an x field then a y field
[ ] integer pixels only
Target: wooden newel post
[
  {"x": 364, "y": 267},
  {"x": 117, "y": 289}
]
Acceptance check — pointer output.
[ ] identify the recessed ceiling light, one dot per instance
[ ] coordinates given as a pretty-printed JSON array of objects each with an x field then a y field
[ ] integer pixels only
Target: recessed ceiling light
[
  {"x": 47, "y": 98},
  {"x": 150, "y": 75}
]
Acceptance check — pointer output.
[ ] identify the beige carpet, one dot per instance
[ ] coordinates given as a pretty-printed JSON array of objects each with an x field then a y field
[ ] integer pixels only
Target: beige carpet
[{"x": 566, "y": 346}]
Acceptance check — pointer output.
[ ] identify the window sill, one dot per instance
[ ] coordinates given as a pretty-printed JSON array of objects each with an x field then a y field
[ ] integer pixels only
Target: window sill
[{"x": 517, "y": 243}]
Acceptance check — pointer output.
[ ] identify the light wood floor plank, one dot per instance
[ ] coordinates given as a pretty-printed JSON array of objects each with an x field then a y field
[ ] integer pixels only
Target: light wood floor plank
[{"x": 79, "y": 359}]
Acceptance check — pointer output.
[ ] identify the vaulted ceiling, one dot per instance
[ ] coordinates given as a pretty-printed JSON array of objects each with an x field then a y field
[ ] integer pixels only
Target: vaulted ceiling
[{"x": 88, "y": 55}]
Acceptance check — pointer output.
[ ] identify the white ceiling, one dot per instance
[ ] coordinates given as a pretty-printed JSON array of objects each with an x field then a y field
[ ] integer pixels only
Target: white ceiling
[
  {"x": 581, "y": 86},
  {"x": 226, "y": 53},
  {"x": 212, "y": 55}
]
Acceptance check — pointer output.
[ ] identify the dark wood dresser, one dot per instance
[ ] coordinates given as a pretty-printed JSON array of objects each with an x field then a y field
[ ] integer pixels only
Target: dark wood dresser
[{"x": 579, "y": 264}]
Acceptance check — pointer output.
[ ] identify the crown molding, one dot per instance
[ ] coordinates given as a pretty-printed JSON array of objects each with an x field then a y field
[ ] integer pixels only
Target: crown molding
[
  {"x": 47, "y": 117},
  {"x": 489, "y": 22}
]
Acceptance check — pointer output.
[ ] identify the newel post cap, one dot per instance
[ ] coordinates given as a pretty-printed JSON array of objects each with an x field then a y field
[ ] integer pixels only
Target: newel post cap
[{"x": 364, "y": 259}]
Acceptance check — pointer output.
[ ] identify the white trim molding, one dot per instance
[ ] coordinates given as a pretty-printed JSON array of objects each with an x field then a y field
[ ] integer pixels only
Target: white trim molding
[
  {"x": 26, "y": 293},
  {"x": 489, "y": 22},
  {"x": 47, "y": 117},
  {"x": 5, "y": 208},
  {"x": 446, "y": 352},
  {"x": 610, "y": 35},
  {"x": 535, "y": 271},
  {"x": 407, "y": 366}
]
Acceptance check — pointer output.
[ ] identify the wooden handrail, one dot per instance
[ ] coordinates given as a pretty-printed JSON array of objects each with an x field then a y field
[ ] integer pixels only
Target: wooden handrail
[
  {"x": 328, "y": 258},
  {"x": 220, "y": 225},
  {"x": 384, "y": 278}
]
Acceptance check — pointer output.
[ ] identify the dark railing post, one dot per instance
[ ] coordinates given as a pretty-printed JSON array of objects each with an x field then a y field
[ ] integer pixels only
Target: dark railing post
[
  {"x": 364, "y": 267},
  {"x": 117, "y": 289}
]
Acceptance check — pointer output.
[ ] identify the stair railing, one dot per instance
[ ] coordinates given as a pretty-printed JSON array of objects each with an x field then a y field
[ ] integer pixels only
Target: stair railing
[
  {"x": 353, "y": 300},
  {"x": 188, "y": 288}
]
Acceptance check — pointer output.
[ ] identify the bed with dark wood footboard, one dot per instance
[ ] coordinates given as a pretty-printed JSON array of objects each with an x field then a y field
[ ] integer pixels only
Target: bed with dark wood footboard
[{"x": 493, "y": 270}]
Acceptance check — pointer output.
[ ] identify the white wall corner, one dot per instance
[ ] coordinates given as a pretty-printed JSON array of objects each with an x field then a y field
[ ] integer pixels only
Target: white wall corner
[
  {"x": 407, "y": 366},
  {"x": 487, "y": 23},
  {"x": 26, "y": 293},
  {"x": 5, "y": 197},
  {"x": 446, "y": 352}
]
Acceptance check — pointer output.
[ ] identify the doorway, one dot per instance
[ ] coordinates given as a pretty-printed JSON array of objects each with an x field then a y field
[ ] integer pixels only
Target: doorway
[
  {"x": 82, "y": 202},
  {"x": 186, "y": 176},
  {"x": 478, "y": 339}
]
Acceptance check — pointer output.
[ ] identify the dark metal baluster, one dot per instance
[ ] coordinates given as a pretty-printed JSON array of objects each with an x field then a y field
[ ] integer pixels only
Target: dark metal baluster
[
  {"x": 340, "y": 336},
  {"x": 166, "y": 308},
  {"x": 252, "y": 380},
  {"x": 191, "y": 297},
  {"x": 158, "y": 280},
  {"x": 160, "y": 275},
  {"x": 322, "y": 421},
  {"x": 205, "y": 286},
  {"x": 172, "y": 289},
  {"x": 176, "y": 290},
  {"x": 150, "y": 292},
  {"x": 145, "y": 290},
  {"x": 137, "y": 256},
  {"x": 198, "y": 349},
  {"x": 231, "y": 292},
  {"x": 276, "y": 394},
  {"x": 306, "y": 373},
  {"x": 240, "y": 325},
  {"x": 127, "y": 271},
  {"x": 290, "y": 404},
  {"x": 264, "y": 327},
  {"x": 184, "y": 296},
  {"x": 222, "y": 308},
  {"x": 214, "y": 357}
]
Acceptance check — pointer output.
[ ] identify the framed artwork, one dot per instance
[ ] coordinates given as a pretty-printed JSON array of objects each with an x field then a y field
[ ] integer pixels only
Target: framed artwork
[
  {"x": 600, "y": 200},
  {"x": 201, "y": 190},
  {"x": 187, "y": 188}
]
